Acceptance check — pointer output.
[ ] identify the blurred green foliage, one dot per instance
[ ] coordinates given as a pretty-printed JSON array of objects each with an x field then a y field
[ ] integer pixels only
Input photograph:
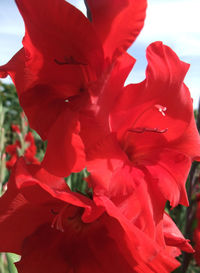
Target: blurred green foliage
[
  {"x": 13, "y": 110},
  {"x": 10, "y": 102}
]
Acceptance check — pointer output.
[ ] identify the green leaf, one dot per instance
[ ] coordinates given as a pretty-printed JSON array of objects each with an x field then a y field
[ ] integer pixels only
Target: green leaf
[{"x": 11, "y": 258}]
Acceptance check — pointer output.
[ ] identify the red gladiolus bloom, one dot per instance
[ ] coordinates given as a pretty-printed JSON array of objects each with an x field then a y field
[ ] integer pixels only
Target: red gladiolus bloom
[
  {"x": 12, "y": 151},
  {"x": 29, "y": 152},
  {"x": 66, "y": 232},
  {"x": 153, "y": 132},
  {"x": 15, "y": 128},
  {"x": 64, "y": 64}
]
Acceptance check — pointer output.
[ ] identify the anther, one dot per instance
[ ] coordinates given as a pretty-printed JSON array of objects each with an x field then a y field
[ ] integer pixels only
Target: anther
[
  {"x": 160, "y": 108},
  {"x": 58, "y": 219},
  {"x": 54, "y": 212},
  {"x": 146, "y": 129},
  {"x": 69, "y": 60}
]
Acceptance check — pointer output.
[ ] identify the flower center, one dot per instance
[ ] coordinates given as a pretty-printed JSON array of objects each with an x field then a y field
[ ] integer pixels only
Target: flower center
[
  {"x": 135, "y": 148},
  {"x": 161, "y": 109},
  {"x": 69, "y": 60},
  {"x": 69, "y": 217},
  {"x": 146, "y": 129},
  {"x": 140, "y": 129}
]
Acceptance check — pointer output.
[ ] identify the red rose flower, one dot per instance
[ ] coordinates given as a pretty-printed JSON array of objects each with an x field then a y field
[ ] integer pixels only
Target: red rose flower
[{"x": 64, "y": 231}]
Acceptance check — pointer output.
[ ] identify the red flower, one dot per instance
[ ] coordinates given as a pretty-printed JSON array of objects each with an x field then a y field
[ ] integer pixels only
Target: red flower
[
  {"x": 65, "y": 62},
  {"x": 15, "y": 128},
  {"x": 12, "y": 151},
  {"x": 64, "y": 231},
  {"x": 153, "y": 132},
  {"x": 29, "y": 152}
]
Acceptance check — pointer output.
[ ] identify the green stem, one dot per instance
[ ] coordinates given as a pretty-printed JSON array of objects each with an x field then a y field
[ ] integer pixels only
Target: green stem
[{"x": 2, "y": 147}]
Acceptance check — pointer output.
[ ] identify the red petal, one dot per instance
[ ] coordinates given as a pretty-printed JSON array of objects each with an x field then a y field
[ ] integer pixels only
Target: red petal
[
  {"x": 170, "y": 171},
  {"x": 28, "y": 204},
  {"x": 65, "y": 150},
  {"x": 18, "y": 217},
  {"x": 105, "y": 157},
  {"x": 121, "y": 24},
  {"x": 58, "y": 30},
  {"x": 42, "y": 107},
  {"x": 167, "y": 166},
  {"x": 96, "y": 119},
  {"x": 148, "y": 256},
  {"x": 15, "y": 68},
  {"x": 60, "y": 252},
  {"x": 113, "y": 84},
  {"x": 42, "y": 252},
  {"x": 173, "y": 236}
]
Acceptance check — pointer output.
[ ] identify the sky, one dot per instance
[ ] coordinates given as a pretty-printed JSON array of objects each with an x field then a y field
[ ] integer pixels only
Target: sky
[{"x": 174, "y": 22}]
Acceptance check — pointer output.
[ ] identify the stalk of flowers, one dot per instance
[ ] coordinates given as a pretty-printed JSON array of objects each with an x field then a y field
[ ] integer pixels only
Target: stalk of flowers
[
  {"x": 24, "y": 145},
  {"x": 136, "y": 143}
]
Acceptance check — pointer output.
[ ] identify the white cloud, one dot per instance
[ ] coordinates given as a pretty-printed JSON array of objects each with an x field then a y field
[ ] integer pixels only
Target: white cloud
[
  {"x": 10, "y": 19},
  {"x": 176, "y": 22}
]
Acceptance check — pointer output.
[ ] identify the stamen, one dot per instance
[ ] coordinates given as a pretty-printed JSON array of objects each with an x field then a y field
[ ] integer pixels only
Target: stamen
[
  {"x": 146, "y": 129},
  {"x": 135, "y": 129},
  {"x": 69, "y": 60},
  {"x": 58, "y": 221},
  {"x": 71, "y": 218},
  {"x": 54, "y": 212},
  {"x": 160, "y": 108}
]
